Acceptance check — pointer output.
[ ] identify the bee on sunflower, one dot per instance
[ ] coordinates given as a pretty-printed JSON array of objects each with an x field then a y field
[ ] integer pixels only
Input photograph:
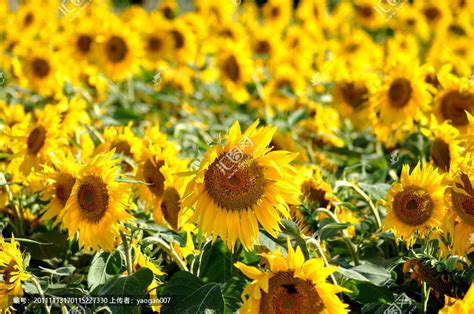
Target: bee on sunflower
[
  {"x": 416, "y": 204},
  {"x": 242, "y": 185},
  {"x": 97, "y": 204},
  {"x": 13, "y": 269},
  {"x": 291, "y": 284}
]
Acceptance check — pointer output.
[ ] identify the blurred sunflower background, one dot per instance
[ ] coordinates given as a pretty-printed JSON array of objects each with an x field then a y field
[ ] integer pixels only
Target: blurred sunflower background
[{"x": 276, "y": 156}]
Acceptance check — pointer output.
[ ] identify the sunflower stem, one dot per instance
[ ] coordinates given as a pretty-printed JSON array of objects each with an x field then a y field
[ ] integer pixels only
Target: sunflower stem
[
  {"x": 128, "y": 253},
  {"x": 426, "y": 297},
  {"x": 350, "y": 245},
  {"x": 372, "y": 207},
  {"x": 323, "y": 256},
  {"x": 41, "y": 293},
  {"x": 169, "y": 249}
]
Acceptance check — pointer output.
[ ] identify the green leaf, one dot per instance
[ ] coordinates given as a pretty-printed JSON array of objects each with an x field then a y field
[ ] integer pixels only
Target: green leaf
[
  {"x": 329, "y": 230},
  {"x": 232, "y": 291},
  {"x": 377, "y": 275},
  {"x": 366, "y": 292},
  {"x": 134, "y": 286},
  {"x": 188, "y": 294},
  {"x": 376, "y": 191},
  {"x": 216, "y": 262},
  {"x": 296, "y": 117},
  {"x": 104, "y": 266},
  {"x": 57, "y": 249},
  {"x": 62, "y": 271}
]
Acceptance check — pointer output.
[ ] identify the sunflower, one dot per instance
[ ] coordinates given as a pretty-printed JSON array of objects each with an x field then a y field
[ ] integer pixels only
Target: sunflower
[
  {"x": 13, "y": 271},
  {"x": 457, "y": 306},
  {"x": 96, "y": 204},
  {"x": 402, "y": 99},
  {"x": 39, "y": 68},
  {"x": 460, "y": 199},
  {"x": 123, "y": 141},
  {"x": 455, "y": 99},
  {"x": 139, "y": 261},
  {"x": 437, "y": 14},
  {"x": 410, "y": 21},
  {"x": 118, "y": 51},
  {"x": 234, "y": 64},
  {"x": 73, "y": 114},
  {"x": 415, "y": 204},
  {"x": 283, "y": 88},
  {"x": 159, "y": 167},
  {"x": 184, "y": 41},
  {"x": 277, "y": 13},
  {"x": 314, "y": 190},
  {"x": 351, "y": 96},
  {"x": 445, "y": 147},
  {"x": 157, "y": 44},
  {"x": 34, "y": 141},
  {"x": 366, "y": 13},
  {"x": 241, "y": 185},
  {"x": 291, "y": 285},
  {"x": 58, "y": 179}
]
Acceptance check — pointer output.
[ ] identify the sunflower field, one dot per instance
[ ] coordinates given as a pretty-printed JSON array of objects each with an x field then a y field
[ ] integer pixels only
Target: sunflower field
[{"x": 236, "y": 156}]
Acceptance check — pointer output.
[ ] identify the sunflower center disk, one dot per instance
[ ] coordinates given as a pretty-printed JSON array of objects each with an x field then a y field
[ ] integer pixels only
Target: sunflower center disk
[
  {"x": 235, "y": 184},
  {"x": 116, "y": 49},
  {"x": 40, "y": 67},
  {"x": 314, "y": 195},
  {"x": 153, "y": 176},
  {"x": 440, "y": 154},
  {"x": 353, "y": 95},
  {"x": 64, "y": 187},
  {"x": 170, "y": 206},
  {"x": 287, "y": 294},
  {"x": 178, "y": 39},
  {"x": 36, "y": 139},
  {"x": 231, "y": 68},
  {"x": 84, "y": 43},
  {"x": 399, "y": 92},
  {"x": 413, "y": 206},
  {"x": 464, "y": 204},
  {"x": 453, "y": 107},
  {"x": 93, "y": 198},
  {"x": 154, "y": 44}
]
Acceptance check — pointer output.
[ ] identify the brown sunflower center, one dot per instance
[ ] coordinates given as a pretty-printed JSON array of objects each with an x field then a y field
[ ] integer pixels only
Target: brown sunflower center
[
  {"x": 231, "y": 68},
  {"x": 36, "y": 139},
  {"x": 432, "y": 79},
  {"x": 153, "y": 176},
  {"x": 170, "y": 206},
  {"x": 64, "y": 187},
  {"x": 314, "y": 195},
  {"x": 399, "y": 92},
  {"x": 154, "y": 43},
  {"x": 235, "y": 185},
  {"x": 432, "y": 14},
  {"x": 84, "y": 43},
  {"x": 262, "y": 47},
  {"x": 462, "y": 203},
  {"x": 29, "y": 18},
  {"x": 287, "y": 294},
  {"x": 40, "y": 67},
  {"x": 365, "y": 11},
  {"x": 275, "y": 12},
  {"x": 116, "y": 49},
  {"x": 123, "y": 147},
  {"x": 7, "y": 272},
  {"x": 178, "y": 39},
  {"x": 354, "y": 95},
  {"x": 413, "y": 206},
  {"x": 453, "y": 107},
  {"x": 440, "y": 154},
  {"x": 93, "y": 198}
]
